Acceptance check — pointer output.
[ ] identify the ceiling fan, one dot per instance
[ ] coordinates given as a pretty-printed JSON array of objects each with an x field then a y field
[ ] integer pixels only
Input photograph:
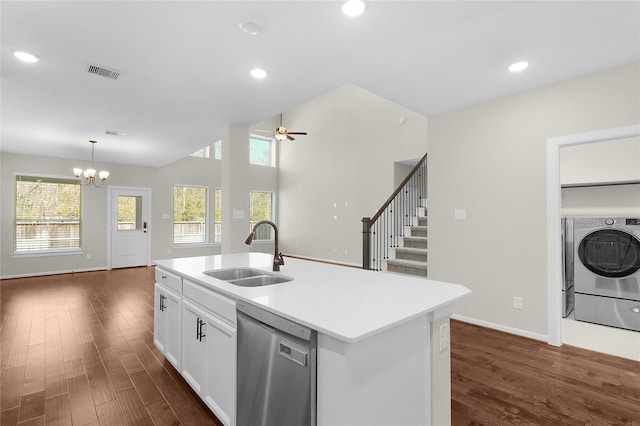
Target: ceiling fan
[{"x": 281, "y": 133}]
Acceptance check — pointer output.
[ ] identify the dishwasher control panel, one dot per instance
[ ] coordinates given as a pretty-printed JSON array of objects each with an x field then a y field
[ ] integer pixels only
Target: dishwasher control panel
[{"x": 289, "y": 351}]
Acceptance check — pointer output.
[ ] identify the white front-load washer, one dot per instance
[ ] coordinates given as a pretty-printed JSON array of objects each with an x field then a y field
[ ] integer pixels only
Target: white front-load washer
[{"x": 607, "y": 271}]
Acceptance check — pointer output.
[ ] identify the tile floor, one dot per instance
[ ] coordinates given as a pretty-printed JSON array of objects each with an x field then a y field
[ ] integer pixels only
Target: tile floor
[{"x": 601, "y": 338}]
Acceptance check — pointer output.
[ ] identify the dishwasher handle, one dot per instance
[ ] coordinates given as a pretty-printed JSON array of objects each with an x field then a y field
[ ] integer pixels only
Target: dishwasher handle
[{"x": 294, "y": 354}]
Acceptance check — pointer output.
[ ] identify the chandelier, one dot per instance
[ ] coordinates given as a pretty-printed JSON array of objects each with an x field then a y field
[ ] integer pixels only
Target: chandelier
[{"x": 90, "y": 174}]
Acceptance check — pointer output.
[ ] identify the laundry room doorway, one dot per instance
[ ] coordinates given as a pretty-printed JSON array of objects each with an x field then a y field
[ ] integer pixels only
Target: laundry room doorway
[{"x": 554, "y": 196}]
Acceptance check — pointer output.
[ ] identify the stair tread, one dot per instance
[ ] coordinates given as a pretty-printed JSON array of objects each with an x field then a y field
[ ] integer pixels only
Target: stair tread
[
  {"x": 413, "y": 237},
  {"x": 411, "y": 249}
]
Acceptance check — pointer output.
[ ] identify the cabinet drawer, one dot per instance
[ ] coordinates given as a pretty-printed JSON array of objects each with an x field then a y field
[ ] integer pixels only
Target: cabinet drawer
[
  {"x": 218, "y": 304},
  {"x": 168, "y": 279}
]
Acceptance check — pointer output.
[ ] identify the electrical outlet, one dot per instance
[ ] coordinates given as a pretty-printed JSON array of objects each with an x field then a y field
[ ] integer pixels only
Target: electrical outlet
[
  {"x": 168, "y": 251},
  {"x": 443, "y": 336},
  {"x": 89, "y": 256},
  {"x": 518, "y": 303}
]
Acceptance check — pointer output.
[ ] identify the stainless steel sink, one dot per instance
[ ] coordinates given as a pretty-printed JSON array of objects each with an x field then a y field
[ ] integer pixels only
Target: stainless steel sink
[
  {"x": 234, "y": 273},
  {"x": 247, "y": 277}
]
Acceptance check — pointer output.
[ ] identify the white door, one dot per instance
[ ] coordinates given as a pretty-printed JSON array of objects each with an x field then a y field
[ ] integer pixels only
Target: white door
[{"x": 130, "y": 237}]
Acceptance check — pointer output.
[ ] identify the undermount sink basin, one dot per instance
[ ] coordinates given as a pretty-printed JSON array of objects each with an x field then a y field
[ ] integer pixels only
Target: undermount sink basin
[{"x": 247, "y": 277}]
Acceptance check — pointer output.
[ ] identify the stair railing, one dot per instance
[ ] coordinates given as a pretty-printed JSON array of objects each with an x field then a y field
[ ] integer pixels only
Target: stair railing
[{"x": 386, "y": 228}]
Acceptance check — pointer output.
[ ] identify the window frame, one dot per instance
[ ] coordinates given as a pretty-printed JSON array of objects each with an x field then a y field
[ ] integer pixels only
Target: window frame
[
  {"x": 273, "y": 215},
  {"x": 272, "y": 150},
  {"x": 205, "y": 150},
  {"x": 63, "y": 251},
  {"x": 207, "y": 224}
]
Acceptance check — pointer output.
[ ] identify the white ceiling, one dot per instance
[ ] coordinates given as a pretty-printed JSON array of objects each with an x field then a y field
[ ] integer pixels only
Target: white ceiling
[{"x": 185, "y": 64}]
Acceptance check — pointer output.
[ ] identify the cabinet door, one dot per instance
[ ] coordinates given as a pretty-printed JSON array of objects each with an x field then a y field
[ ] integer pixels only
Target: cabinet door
[
  {"x": 220, "y": 382},
  {"x": 167, "y": 322},
  {"x": 173, "y": 314},
  {"x": 159, "y": 319},
  {"x": 193, "y": 346}
]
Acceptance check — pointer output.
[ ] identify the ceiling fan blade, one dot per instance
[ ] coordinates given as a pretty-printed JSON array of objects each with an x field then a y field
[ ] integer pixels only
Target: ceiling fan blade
[
  {"x": 290, "y": 138},
  {"x": 296, "y": 133}
]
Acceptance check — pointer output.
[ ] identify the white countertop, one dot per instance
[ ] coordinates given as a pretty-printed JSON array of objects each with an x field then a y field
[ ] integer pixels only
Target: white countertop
[{"x": 349, "y": 304}]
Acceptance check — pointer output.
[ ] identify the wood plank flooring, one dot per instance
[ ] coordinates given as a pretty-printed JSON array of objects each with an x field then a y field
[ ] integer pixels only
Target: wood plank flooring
[
  {"x": 77, "y": 349},
  {"x": 501, "y": 379}
]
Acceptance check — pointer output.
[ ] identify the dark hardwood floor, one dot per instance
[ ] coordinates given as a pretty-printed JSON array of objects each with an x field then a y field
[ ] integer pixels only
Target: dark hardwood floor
[
  {"x": 77, "y": 349},
  {"x": 501, "y": 379}
]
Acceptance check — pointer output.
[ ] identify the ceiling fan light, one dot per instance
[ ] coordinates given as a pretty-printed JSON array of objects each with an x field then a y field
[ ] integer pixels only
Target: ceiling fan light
[
  {"x": 280, "y": 136},
  {"x": 353, "y": 8}
]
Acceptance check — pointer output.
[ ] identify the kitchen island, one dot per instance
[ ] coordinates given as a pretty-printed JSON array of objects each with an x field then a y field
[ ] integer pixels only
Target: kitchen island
[{"x": 383, "y": 339}]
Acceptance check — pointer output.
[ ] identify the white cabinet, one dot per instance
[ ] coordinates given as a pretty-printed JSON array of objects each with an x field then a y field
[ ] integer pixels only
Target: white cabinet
[
  {"x": 209, "y": 350},
  {"x": 167, "y": 316},
  {"x": 194, "y": 345}
]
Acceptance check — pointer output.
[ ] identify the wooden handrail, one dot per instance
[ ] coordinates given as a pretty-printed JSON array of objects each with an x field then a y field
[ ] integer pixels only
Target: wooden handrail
[{"x": 398, "y": 189}]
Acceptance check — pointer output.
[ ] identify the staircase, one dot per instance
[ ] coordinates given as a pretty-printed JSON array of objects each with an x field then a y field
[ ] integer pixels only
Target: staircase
[
  {"x": 411, "y": 257},
  {"x": 395, "y": 238}
]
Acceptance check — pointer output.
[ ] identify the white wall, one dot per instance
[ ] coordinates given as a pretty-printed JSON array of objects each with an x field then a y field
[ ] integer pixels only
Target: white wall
[
  {"x": 611, "y": 161},
  {"x": 490, "y": 159},
  {"x": 597, "y": 163},
  {"x": 186, "y": 171},
  {"x": 347, "y": 160}
]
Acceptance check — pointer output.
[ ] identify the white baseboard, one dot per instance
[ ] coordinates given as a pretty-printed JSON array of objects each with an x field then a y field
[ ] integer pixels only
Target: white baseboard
[
  {"x": 40, "y": 274},
  {"x": 504, "y": 328}
]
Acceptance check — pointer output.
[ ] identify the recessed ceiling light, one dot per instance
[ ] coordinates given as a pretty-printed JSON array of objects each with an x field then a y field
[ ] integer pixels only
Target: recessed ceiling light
[
  {"x": 26, "y": 57},
  {"x": 353, "y": 8},
  {"x": 250, "y": 27},
  {"x": 258, "y": 73},
  {"x": 518, "y": 66}
]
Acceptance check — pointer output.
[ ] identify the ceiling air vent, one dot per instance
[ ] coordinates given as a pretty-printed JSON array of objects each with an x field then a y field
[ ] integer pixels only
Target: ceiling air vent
[
  {"x": 103, "y": 71},
  {"x": 114, "y": 133}
]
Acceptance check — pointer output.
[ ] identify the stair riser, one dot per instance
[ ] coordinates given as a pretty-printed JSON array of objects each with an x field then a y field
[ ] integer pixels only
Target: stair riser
[
  {"x": 415, "y": 244},
  {"x": 422, "y": 221},
  {"x": 419, "y": 257},
  {"x": 407, "y": 270},
  {"x": 418, "y": 232}
]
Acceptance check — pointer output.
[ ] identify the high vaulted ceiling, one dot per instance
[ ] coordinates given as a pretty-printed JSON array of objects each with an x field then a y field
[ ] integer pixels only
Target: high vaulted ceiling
[{"x": 185, "y": 65}]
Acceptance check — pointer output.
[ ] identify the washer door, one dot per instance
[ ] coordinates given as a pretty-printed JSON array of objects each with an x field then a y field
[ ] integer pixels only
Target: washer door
[{"x": 610, "y": 253}]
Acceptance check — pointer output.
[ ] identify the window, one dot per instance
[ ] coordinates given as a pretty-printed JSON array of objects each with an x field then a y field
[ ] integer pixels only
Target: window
[
  {"x": 190, "y": 224},
  {"x": 217, "y": 214},
  {"x": 203, "y": 153},
  {"x": 217, "y": 150},
  {"x": 47, "y": 215},
  {"x": 261, "y": 208},
  {"x": 129, "y": 212},
  {"x": 261, "y": 152}
]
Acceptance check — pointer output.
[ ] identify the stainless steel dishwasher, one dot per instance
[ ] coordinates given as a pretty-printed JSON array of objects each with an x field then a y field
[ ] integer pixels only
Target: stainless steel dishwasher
[{"x": 276, "y": 370}]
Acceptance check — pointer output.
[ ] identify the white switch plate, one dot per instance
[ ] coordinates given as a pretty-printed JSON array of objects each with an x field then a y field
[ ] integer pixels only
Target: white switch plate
[
  {"x": 460, "y": 214},
  {"x": 518, "y": 303},
  {"x": 238, "y": 214},
  {"x": 166, "y": 216}
]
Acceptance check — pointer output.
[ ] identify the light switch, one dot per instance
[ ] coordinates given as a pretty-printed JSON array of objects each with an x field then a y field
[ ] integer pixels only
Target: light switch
[
  {"x": 238, "y": 214},
  {"x": 165, "y": 216},
  {"x": 460, "y": 214}
]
